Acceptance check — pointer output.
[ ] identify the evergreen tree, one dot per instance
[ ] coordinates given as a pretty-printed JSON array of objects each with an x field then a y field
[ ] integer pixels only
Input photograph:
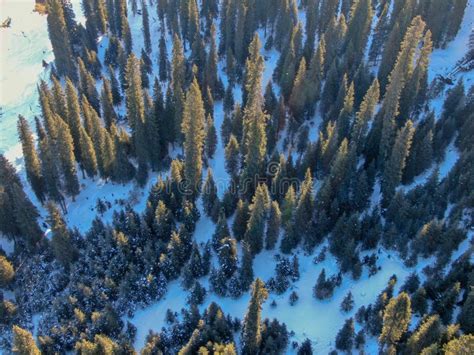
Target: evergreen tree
[
  {"x": 251, "y": 329},
  {"x": 210, "y": 200},
  {"x": 466, "y": 319},
  {"x": 106, "y": 101},
  {"x": 394, "y": 167},
  {"x": 304, "y": 209},
  {"x": 163, "y": 59},
  {"x": 246, "y": 268},
  {"x": 298, "y": 95},
  {"x": 232, "y": 158},
  {"x": 345, "y": 337},
  {"x": 7, "y": 273},
  {"x": 396, "y": 318},
  {"x": 428, "y": 332},
  {"x": 273, "y": 226},
  {"x": 60, "y": 40},
  {"x": 193, "y": 131},
  {"x": 222, "y": 230},
  {"x": 178, "y": 71},
  {"x": 66, "y": 159},
  {"x": 89, "y": 159},
  {"x": 23, "y": 342},
  {"x": 256, "y": 223},
  {"x": 240, "y": 220},
  {"x": 73, "y": 118},
  {"x": 211, "y": 137},
  {"x": 32, "y": 162},
  {"x": 61, "y": 242},
  {"x": 146, "y": 27}
]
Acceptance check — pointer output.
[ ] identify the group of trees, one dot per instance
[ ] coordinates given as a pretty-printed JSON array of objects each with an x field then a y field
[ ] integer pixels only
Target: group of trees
[{"x": 109, "y": 118}]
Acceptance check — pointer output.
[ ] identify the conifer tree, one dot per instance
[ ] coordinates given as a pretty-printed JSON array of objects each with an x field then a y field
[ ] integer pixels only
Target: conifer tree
[
  {"x": 232, "y": 159},
  {"x": 256, "y": 223},
  {"x": 63, "y": 248},
  {"x": 67, "y": 159},
  {"x": 23, "y": 342},
  {"x": 7, "y": 273},
  {"x": 126, "y": 34},
  {"x": 298, "y": 94},
  {"x": 163, "y": 59},
  {"x": 116, "y": 95},
  {"x": 89, "y": 159},
  {"x": 396, "y": 318},
  {"x": 315, "y": 74},
  {"x": 60, "y": 40},
  {"x": 178, "y": 71},
  {"x": 344, "y": 119},
  {"x": 136, "y": 111},
  {"x": 50, "y": 172},
  {"x": 427, "y": 333},
  {"x": 209, "y": 194},
  {"x": 210, "y": 75},
  {"x": 240, "y": 221},
  {"x": 146, "y": 27},
  {"x": 252, "y": 329},
  {"x": 59, "y": 100},
  {"x": 304, "y": 209},
  {"x": 466, "y": 318},
  {"x": 74, "y": 118},
  {"x": 255, "y": 140},
  {"x": 365, "y": 114},
  {"x": 345, "y": 337},
  {"x": 273, "y": 226},
  {"x": 87, "y": 86},
  {"x": 211, "y": 137},
  {"x": 106, "y": 101},
  {"x": 392, "y": 175},
  {"x": 32, "y": 162},
  {"x": 193, "y": 131}
]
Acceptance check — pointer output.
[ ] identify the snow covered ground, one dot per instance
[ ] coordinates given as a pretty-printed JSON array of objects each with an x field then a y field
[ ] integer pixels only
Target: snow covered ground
[{"x": 26, "y": 44}]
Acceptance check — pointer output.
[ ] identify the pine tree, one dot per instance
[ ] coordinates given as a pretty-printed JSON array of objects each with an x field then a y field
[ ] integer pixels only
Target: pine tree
[
  {"x": 106, "y": 101},
  {"x": 74, "y": 118},
  {"x": 60, "y": 40},
  {"x": 210, "y": 74},
  {"x": 428, "y": 332},
  {"x": 163, "y": 59},
  {"x": 394, "y": 167},
  {"x": 116, "y": 95},
  {"x": 232, "y": 158},
  {"x": 136, "y": 111},
  {"x": 273, "y": 226},
  {"x": 240, "y": 220},
  {"x": 304, "y": 210},
  {"x": 67, "y": 159},
  {"x": 7, "y": 273},
  {"x": 63, "y": 248},
  {"x": 193, "y": 131},
  {"x": 211, "y": 137},
  {"x": 89, "y": 159},
  {"x": 126, "y": 34},
  {"x": 87, "y": 86},
  {"x": 315, "y": 75},
  {"x": 23, "y": 342},
  {"x": 50, "y": 172},
  {"x": 178, "y": 71},
  {"x": 209, "y": 194},
  {"x": 466, "y": 319},
  {"x": 345, "y": 337},
  {"x": 222, "y": 230},
  {"x": 344, "y": 119},
  {"x": 298, "y": 94},
  {"x": 396, "y": 318},
  {"x": 59, "y": 100},
  {"x": 32, "y": 162},
  {"x": 251, "y": 329},
  {"x": 146, "y": 27},
  {"x": 256, "y": 223}
]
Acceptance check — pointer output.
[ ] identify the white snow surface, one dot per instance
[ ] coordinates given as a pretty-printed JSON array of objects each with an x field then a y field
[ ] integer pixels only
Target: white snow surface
[{"x": 26, "y": 44}]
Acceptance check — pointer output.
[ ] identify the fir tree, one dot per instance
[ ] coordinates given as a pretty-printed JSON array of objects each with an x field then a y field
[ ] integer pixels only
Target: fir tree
[
  {"x": 193, "y": 131},
  {"x": 23, "y": 342},
  {"x": 106, "y": 101},
  {"x": 298, "y": 94},
  {"x": 60, "y": 40},
  {"x": 304, "y": 209},
  {"x": 251, "y": 329},
  {"x": 67, "y": 159},
  {"x": 273, "y": 226},
  {"x": 89, "y": 159},
  {"x": 240, "y": 221},
  {"x": 32, "y": 162},
  {"x": 63, "y": 248},
  {"x": 396, "y": 318},
  {"x": 163, "y": 59},
  {"x": 146, "y": 27},
  {"x": 211, "y": 137},
  {"x": 210, "y": 200},
  {"x": 74, "y": 118},
  {"x": 232, "y": 158},
  {"x": 345, "y": 337},
  {"x": 178, "y": 71},
  {"x": 256, "y": 223}
]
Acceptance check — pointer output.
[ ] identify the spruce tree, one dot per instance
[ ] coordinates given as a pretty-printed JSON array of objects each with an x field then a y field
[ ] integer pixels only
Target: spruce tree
[
  {"x": 60, "y": 40},
  {"x": 345, "y": 337},
  {"x": 67, "y": 159},
  {"x": 89, "y": 159},
  {"x": 232, "y": 158},
  {"x": 32, "y": 162},
  {"x": 194, "y": 134},
  {"x": 252, "y": 328},
  {"x": 178, "y": 71},
  {"x": 7, "y": 273},
  {"x": 254, "y": 235},
  {"x": 396, "y": 318},
  {"x": 106, "y": 101},
  {"x": 210, "y": 200},
  {"x": 146, "y": 27},
  {"x": 273, "y": 226},
  {"x": 163, "y": 59},
  {"x": 240, "y": 220},
  {"x": 211, "y": 137},
  {"x": 304, "y": 210},
  {"x": 298, "y": 95},
  {"x": 393, "y": 171},
  {"x": 23, "y": 342},
  {"x": 61, "y": 242},
  {"x": 74, "y": 118}
]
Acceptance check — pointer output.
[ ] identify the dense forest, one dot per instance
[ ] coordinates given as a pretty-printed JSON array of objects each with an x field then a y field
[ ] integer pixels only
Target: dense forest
[{"x": 335, "y": 153}]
